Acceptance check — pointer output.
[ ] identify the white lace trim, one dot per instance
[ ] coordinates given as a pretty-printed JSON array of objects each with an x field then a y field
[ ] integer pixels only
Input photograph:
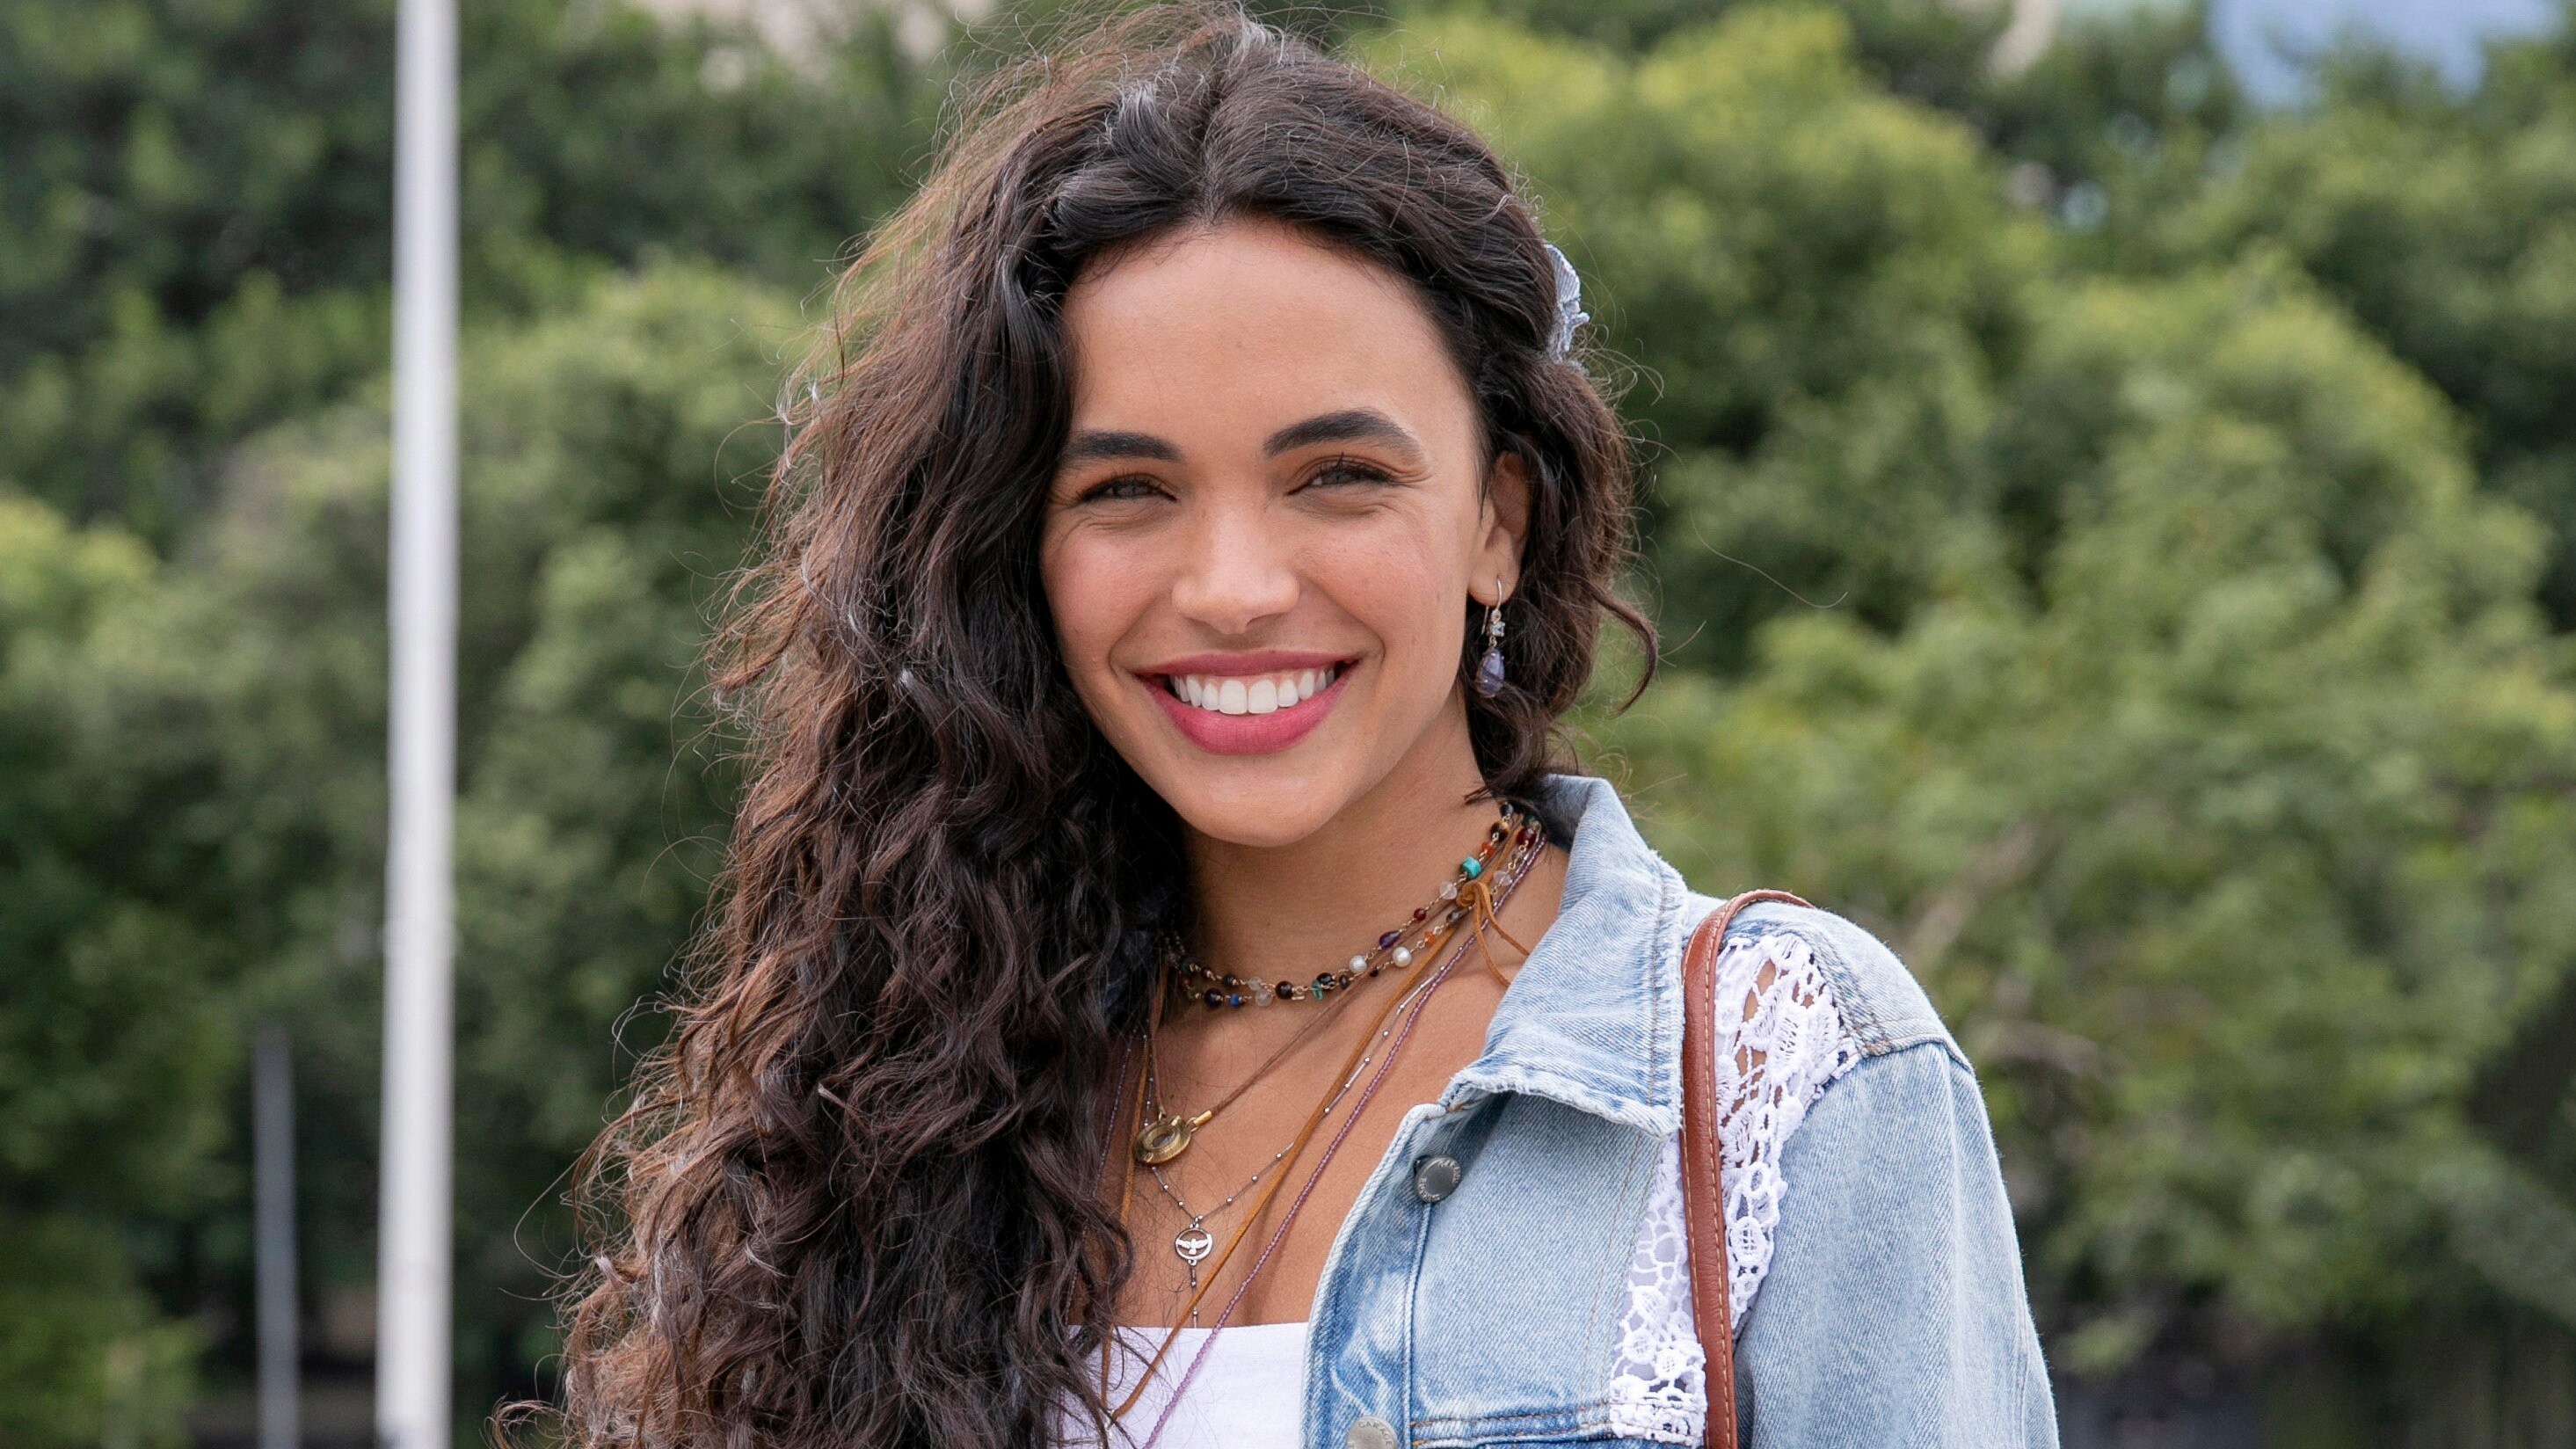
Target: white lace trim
[{"x": 1789, "y": 1043}]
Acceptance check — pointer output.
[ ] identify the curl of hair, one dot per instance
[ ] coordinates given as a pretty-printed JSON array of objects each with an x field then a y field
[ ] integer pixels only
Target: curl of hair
[{"x": 857, "y": 1201}]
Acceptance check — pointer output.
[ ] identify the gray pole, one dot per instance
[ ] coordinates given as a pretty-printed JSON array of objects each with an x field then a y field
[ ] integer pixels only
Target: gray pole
[
  {"x": 272, "y": 1132},
  {"x": 413, "y": 1248}
]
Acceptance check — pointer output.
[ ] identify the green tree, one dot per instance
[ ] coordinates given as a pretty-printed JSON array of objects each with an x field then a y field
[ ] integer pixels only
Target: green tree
[
  {"x": 197, "y": 750},
  {"x": 2448, "y": 226},
  {"x": 609, "y": 473},
  {"x": 1811, "y": 282},
  {"x": 2230, "y": 849},
  {"x": 195, "y": 201},
  {"x": 2172, "y": 696},
  {"x": 1921, "y": 49},
  {"x": 116, "y": 1048}
]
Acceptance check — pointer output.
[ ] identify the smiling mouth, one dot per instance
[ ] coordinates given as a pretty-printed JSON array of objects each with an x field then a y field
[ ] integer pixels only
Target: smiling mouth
[{"x": 1253, "y": 693}]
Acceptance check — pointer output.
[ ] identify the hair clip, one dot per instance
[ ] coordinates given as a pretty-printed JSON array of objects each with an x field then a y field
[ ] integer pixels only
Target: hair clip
[{"x": 1569, "y": 305}]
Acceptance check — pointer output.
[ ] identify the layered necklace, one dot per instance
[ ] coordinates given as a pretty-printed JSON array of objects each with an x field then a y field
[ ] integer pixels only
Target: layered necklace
[
  {"x": 1467, "y": 907},
  {"x": 1514, "y": 840},
  {"x": 1479, "y": 888},
  {"x": 1193, "y": 1243}
]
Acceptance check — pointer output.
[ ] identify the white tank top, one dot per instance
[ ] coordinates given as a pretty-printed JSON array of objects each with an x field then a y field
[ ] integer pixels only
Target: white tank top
[{"x": 1248, "y": 1394}]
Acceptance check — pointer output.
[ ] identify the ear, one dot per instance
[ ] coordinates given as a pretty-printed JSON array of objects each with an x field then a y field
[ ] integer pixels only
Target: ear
[{"x": 1505, "y": 516}]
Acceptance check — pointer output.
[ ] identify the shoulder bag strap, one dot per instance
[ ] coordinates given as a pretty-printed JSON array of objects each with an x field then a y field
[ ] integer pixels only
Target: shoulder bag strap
[{"x": 1703, "y": 1194}]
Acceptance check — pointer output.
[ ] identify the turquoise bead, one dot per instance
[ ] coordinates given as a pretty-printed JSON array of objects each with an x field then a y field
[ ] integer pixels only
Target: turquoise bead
[{"x": 1472, "y": 866}]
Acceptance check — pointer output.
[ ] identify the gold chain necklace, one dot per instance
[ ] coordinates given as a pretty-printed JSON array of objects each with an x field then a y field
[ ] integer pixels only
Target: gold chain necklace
[
  {"x": 1163, "y": 1136},
  {"x": 1483, "y": 900}
]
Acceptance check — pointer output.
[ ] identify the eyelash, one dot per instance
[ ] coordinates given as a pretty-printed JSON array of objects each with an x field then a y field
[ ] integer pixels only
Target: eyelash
[
  {"x": 1112, "y": 490},
  {"x": 1351, "y": 468},
  {"x": 1107, "y": 490}
]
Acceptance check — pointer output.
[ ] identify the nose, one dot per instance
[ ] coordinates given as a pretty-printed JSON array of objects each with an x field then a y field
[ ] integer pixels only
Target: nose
[{"x": 1239, "y": 572}]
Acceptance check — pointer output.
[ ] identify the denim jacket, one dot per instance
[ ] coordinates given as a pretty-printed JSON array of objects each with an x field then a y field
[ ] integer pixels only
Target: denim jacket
[{"x": 1487, "y": 1312}]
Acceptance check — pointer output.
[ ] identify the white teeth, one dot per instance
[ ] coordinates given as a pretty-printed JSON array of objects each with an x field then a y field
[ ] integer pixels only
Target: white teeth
[{"x": 1254, "y": 694}]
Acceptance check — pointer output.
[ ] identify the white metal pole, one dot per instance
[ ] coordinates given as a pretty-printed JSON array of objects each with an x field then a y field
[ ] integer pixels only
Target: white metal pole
[
  {"x": 272, "y": 1135},
  {"x": 413, "y": 1262}
]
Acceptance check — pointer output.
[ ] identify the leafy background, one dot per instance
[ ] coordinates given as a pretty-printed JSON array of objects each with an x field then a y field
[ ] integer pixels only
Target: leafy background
[{"x": 2116, "y": 541}]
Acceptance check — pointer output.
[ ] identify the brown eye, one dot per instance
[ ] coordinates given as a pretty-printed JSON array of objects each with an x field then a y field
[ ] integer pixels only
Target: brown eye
[
  {"x": 1345, "y": 471},
  {"x": 1121, "y": 490}
]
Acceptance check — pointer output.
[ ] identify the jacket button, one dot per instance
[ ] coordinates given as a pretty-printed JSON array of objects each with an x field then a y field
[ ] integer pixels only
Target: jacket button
[
  {"x": 1372, "y": 1432},
  {"x": 1435, "y": 1178}
]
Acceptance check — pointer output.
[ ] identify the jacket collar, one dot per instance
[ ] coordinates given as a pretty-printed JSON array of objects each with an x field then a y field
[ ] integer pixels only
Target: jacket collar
[{"x": 1593, "y": 1018}]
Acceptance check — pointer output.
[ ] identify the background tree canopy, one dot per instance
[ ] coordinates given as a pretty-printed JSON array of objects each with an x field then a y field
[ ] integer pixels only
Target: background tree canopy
[{"x": 2116, "y": 543}]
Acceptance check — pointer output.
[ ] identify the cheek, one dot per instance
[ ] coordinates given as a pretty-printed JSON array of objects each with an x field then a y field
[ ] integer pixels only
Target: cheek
[
  {"x": 1096, "y": 592},
  {"x": 1403, "y": 585}
]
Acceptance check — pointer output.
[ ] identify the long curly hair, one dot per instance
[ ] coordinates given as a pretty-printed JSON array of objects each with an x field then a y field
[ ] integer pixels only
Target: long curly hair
[{"x": 857, "y": 1202}]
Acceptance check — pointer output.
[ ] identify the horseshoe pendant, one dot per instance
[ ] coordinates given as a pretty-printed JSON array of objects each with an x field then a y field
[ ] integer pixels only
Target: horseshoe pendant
[{"x": 1168, "y": 1137}]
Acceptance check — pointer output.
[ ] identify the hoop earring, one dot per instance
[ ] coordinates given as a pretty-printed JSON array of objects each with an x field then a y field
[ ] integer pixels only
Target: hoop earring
[{"x": 1489, "y": 670}]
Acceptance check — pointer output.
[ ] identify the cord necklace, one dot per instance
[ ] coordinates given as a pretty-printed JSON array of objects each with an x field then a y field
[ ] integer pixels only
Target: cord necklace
[
  {"x": 1479, "y": 901},
  {"x": 1486, "y": 918},
  {"x": 1193, "y": 1243},
  {"x": 1163, "y": 1136}
]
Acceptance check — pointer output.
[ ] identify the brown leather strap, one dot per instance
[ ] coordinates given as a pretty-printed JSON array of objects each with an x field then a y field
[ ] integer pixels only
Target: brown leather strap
[{"x": 1703, "y": 1194}]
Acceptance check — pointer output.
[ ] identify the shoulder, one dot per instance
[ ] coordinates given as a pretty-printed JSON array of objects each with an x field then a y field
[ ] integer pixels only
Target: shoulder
[
  {"x": 1825, "y": 1050},
  {"x": 1881, "y": 1005}
]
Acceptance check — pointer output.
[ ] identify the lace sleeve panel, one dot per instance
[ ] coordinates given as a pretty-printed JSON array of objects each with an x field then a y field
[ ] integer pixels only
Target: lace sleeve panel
[{"x": 1787, "y": 1043}]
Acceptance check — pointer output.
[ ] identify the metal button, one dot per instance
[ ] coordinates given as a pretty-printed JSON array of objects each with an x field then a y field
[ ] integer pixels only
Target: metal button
[
  {"x": 1435, "y": 1178},
  {"x": 1372, "y": 1432}
]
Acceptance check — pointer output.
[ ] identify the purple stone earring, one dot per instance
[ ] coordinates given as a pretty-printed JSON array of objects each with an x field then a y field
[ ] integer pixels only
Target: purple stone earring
[{"x": 1489, "y": 670}]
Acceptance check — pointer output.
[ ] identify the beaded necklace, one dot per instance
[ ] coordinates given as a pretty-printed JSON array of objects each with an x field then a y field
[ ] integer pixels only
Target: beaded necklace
[
  {"x": 1395, "y": 948},
  {"x": 1162, "y": 1136}
]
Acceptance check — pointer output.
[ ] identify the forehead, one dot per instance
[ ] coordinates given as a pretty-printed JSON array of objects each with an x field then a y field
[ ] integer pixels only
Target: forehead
[{"x": 1220, "y": 335}]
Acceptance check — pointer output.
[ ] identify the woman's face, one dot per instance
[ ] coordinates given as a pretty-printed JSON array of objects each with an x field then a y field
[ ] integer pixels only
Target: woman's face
[{"x": 1270, "y": 514}]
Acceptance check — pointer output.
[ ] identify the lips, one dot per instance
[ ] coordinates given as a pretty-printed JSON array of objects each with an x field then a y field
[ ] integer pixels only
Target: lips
[{"x": 1248, "y": 705}]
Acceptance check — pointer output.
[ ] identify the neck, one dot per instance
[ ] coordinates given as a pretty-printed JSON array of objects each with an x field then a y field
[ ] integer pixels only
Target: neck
[{"x": 1288, "y": 912}]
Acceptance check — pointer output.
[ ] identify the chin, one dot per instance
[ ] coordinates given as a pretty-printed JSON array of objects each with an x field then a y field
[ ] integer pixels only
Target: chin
[{"x": 1259, "y": 804}]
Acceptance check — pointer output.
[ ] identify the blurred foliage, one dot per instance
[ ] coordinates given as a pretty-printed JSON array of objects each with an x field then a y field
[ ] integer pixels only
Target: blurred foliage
[
  {"x": 2229, "y": 852},
  {"x": 196, "y": 201},
  {"x": 2117, "y": 625},
  {"x": 1921, "y": 49},
  {"x": 601, "y": 449},
  {"x": 2120, "y": 111},
  {"x": 2448, "y": 227},
  {"x": 115, "y": 1051},
  {"x": 2113, "y": 542},
  {"x": 1811, "y": 281}
]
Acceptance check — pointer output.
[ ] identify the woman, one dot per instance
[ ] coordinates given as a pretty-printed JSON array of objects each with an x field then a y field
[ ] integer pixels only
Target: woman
[{"x": 1163, "y": 992}]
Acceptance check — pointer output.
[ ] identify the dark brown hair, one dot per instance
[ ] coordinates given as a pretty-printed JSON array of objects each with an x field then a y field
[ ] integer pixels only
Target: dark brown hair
[{"x": 857, "y": 1202}]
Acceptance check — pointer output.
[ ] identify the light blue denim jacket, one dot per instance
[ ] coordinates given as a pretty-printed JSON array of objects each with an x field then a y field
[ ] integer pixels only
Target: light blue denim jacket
[{"x": 1893, "y": 1312}]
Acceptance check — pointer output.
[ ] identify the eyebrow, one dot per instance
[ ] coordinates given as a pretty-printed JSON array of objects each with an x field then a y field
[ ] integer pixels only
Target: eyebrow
[
  {"x": 1350, "y": 425},
  {"x": 1096, "y": 446}
]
